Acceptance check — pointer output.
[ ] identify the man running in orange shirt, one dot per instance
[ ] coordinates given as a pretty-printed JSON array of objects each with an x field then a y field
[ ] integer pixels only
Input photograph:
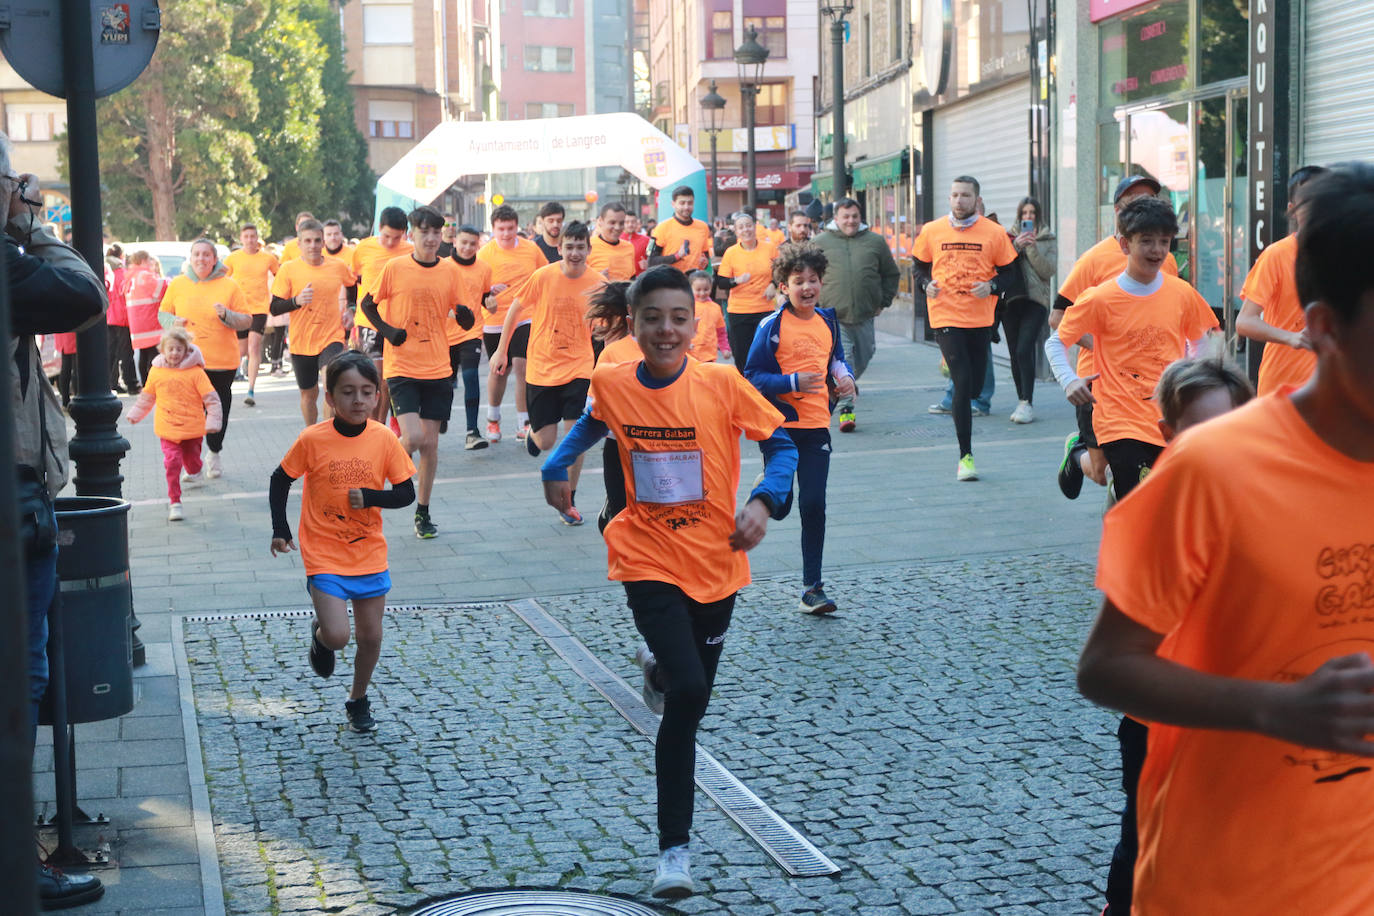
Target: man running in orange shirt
[
  {"x": 465, "y": 346},
  {"x": 683, "y": 242},
  {"x": 549, "y": 228},
  {"x": 335, "y": 245},
  {"x": 292, "y": 249},
  {"x": 367, "y": 260},
  {"x": 611, "y": 256},
  {"x": 253, "y": 267},
  {"x": 512, "y": 260}
]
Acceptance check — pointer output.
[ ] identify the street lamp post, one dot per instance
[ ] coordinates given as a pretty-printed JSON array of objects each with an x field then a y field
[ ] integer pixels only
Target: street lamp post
[
  {"x": 749, "y": 60},
  {"x": 714, "y": 104},
  {"x": 837, "y": 10}
]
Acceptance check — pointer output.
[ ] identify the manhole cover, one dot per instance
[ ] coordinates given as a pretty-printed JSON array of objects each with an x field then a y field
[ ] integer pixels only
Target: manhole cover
[{"x": 535, "y": 903}]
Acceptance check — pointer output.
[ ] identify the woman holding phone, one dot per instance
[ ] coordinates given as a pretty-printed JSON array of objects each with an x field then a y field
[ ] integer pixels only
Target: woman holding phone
[{"x": 1025, "y": 317}]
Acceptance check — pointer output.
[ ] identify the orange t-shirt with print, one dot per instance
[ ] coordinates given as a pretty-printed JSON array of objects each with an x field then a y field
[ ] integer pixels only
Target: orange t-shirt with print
[
  {"x": 804, "y": 345},
  {"x": 180, "y": 396},
  {"x": 960, "y": 259},
  {"x": 669, "y": 236},
  {"x": 251, "y": 272},
  {"x": 319, "y": 324},
  {"x": 511, "y": 267},
  {"x": 617, "y": 261},
  {"x": 1261, "y": 568},
  {"x": 1100, "y": 263},
  {"x": 419, "y": 298},
  {"x": 1135, "y": 339},
  {"x": 474, "y": 282},
  {"x": 366, "y": 260},
  {"x": 748, "y": 298},
  {"x": 334, "y": 537},
  {"x": 706, "y": 343},
  {"x": 195, "y": 301},
  {"x": 560, "y": 347},
  {"x": 679, "y": 447},
  {"x": 1273, "y": 285}
]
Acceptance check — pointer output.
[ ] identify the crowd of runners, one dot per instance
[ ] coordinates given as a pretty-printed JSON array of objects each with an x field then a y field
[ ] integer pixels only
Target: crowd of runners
[{"x": 610, "y": 333}]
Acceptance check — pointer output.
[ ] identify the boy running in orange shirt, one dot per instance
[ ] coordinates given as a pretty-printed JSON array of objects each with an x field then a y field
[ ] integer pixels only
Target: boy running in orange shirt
[
  {"x": 415, "y": 300},
  {"x": 611, "y": 256},
  {"x": 512, "y": 260},
  {"x": 252, "y": 268},
  {"x": 1236, "y": 618},
  {"x": 710, "y": 338},
  {"x": 465, "y": 346},
  {"x": 346, "y": 464},
  {"x": 679, "y": 546},
  {"x": 367, "y": 261}
]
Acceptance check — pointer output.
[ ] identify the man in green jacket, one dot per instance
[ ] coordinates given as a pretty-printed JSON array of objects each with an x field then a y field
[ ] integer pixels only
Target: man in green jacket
[{"x": 860, "y": 281}]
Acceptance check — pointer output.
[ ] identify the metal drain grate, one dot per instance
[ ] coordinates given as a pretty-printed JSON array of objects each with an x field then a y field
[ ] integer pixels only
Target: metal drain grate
[
  {"x": 299, "y": 613},
  {"x": 796, "y": 854},
  {"x": 543, "y": 903}
]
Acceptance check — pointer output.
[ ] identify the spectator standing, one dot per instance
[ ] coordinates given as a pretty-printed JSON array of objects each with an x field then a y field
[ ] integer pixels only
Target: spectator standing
[
  {"x": 1025, "y": 315},
  {"x": 143, "y": 289},
  {"x": 117, "y": 321}
]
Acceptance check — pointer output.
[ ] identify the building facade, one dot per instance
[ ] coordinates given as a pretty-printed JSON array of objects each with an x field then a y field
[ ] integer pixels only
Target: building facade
[{"x": 33, "y": 120}]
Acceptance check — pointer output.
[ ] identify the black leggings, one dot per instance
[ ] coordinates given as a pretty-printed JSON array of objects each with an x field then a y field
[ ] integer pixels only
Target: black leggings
[
  {"x": 222, "y": 380},
  {"x": 613, "y": 476},
  {"x": 67, "y": 378},
  {"x": 740, "y": 330},
  {"x": 1130, "y": 461},
  {"x": 1133, "y": 737},
  {"x": 1023, "y": 321},
  {"x": 145, "y": 361},
  {"x": 686, "y": 638},
  {"x": 121, "y": 353},
  {"x": 966, "y": 354},
  {"x": 274, "y": 340}
]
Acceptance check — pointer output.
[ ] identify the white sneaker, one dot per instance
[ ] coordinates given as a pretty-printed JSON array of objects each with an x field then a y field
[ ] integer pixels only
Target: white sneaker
[
  {"x": 653, "y": 697},
  {"x": 673, "y": 879},
  {"x": 191, "y": 481},
  {"x": 174, "y": 513},
  {"x": 1023, "y": 413},
  {"x": 213, "y": 467}
]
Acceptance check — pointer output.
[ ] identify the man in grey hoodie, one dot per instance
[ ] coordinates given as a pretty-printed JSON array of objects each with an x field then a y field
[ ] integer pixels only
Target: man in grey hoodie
[{"x": 860, "y": 281}]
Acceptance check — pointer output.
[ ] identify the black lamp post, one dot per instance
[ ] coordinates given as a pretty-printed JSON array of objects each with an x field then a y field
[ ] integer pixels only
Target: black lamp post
[
  {"x": 714, "y": 103},
  {"x": 837, "y": 10},
  {"x": 749, "y": 60}
]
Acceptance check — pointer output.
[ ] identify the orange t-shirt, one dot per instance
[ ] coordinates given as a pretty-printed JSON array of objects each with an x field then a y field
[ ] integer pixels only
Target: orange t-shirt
[
  {"x": 961, "y": 259},
  {"x": 774, "y": 237},
  {"x": 1272, "y": 285},
  {"x": 706, "y": 343},
  {"x": 180, "y": 394},
  {"x": 749, "y": 298},
  {"x": 250, "y": 272},
  {"x": 195, "y": 302},
  {"x": 474, "y": 284},
  {"x": 618, "y": 260},
  {"x": 319, "y": 324},
  {"x": 679, "y": 447},
  {"x": 334, "y": 537},
  {"x": 511, "y": 267},
  {"x": 1100, "y": 263},
  {"x": 367, "y": 260},
  {"x": 419, "y": 299},
  {"x": 345, "y": 253},
  {"x": 560, "y": 347},
  {"x": 669, "y": 236},
  {"x": 804, "y": 345},
  {"x": 621, "y": 350},
  {"x": 1135, "y": 339},
  {"x": 1262, "y": 569},
  {"x": 290, "y": 251}
]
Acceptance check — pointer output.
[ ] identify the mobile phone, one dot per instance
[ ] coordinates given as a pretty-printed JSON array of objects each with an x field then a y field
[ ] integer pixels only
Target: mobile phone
[{"x": 1027, "y": 225}]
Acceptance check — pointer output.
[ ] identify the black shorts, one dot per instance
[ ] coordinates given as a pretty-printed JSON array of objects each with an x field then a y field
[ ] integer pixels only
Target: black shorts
[
  {"x": 519, "y": 342},
  {"x": 370, "y": 342},
  {"x": 1130, "y": 461},
  {"x": 431, "y": 398},
  {"x": 550, "y": 403},
  {"x": 257, "y": 327},
  {"x": 465, "y": 355},
  {"x": 1086, "y": 436},
  {"x": 307, "y": 369}
]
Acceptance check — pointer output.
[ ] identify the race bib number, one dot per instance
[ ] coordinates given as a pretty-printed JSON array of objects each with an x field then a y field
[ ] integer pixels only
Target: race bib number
[{"x": 667, "y": 478}]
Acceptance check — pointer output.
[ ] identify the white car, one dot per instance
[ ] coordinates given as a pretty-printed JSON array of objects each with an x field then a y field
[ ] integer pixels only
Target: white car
[{"x": 171, "y": 255}]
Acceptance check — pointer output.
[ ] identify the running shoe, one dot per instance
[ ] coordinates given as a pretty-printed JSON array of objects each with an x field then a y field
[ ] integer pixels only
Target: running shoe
[
  {"x": 531, "y": 447},
  {"x": 1023, "y": 413},
  {"x": 572, "y": 518},
  {"x": 474, "y": 441},
  {"x": 1070, "y": 470},
  {"x": 213, "y": 466},
  {"x": 847, "y": 422},
  {"x": 360, "y": 715},
  {"x": 673, "y": 878},
  {"x": 981, "y": 411},
  {"x": 424, "y": 528},
  {"x": 966, "y": 471},
  {"x": 277, "y": 371},
  {"x": 523, "y": 431},
  {"x": 493, "y": 431},
  {"x": 192, "y": 481},
  {"x": 814, "y": 601},
  {"x": 174, "y": 513},
  {"x": 248, "y": 399},
  {"x": 239, "y": 376},
  {"x": 938, "y": 408},
  {"x": 653, "y": 697},
  {"x": 321, "y": 656}
]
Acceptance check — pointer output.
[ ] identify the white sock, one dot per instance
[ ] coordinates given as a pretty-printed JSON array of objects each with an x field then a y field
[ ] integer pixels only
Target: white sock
[
  {"x": 521, "y": 418},
  {"x": 494, "y": 413}
]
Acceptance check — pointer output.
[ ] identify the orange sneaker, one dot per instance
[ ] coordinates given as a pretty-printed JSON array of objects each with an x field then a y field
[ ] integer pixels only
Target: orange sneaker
[{"x": 493, "y": 431}]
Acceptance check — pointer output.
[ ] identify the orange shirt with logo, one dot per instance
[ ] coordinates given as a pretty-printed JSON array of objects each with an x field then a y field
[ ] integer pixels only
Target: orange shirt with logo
[
  {"x": 319, "y": 324},
  {"x": 419, "y": 298},
  {"x": 251, "y": 272},
  {"x": 617, "y": 261},
  {"x": 748, "y": 298},
  {"x": 693, "y": 424},
  {"x": 560, "y": 347},
  {"x": 474, "y": 284},
  {"x": 334, "y": 537},
  {"x": 1135, "y": 339},
  {"x": 511, "y": 267},
  {"x": 1263, "y": 570},
  {"x": 1272, "y": 285},
  {"x": 669, "y": 236},
  {"x": 366, "y": 260},
  {"x": 195, "y": 301},
  {"x": 180, "y": 396},
  {"x": 960, "y": 259},
  {"x": 804, "y": 345},
  {"x": 706, "y": 343},
  {"x": 1100, "y": 263}
]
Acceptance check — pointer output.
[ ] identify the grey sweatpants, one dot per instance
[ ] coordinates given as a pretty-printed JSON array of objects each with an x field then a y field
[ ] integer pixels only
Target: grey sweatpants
[{"x": 859, "y": 344}]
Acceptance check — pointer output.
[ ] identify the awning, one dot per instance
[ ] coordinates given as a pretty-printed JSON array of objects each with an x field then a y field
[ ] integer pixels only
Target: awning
[
  {"x": 880, "y": 171},
  {"x": 766, "y": 181},
  {"x": 823, "y": 181}
]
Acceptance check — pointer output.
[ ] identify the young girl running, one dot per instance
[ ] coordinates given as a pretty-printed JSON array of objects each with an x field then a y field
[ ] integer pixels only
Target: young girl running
[
  {"x": 679, "y": 545},
  {"x": 187, "y": 408},
  {"x": 609, "y": 317},
  {"x": 710, "y": 338},
  {"x": 346, "y": 463}
]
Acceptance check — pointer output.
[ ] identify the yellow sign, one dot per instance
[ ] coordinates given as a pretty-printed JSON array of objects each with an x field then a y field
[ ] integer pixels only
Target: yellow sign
[{"x": 498, "y": 199}]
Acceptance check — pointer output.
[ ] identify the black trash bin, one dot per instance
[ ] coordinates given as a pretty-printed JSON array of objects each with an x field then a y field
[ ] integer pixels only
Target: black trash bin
[{"x": 97, "y": 603}]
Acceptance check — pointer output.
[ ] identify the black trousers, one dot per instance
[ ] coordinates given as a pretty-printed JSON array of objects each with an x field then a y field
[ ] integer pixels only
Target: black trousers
[
  {"x": 1130, "y": 461},
  {"x": 966, "y": 354},
  {"x": 1022, "y": 321},
  {"x": 66, "y": 378},
  {"x": 121, "y": 351},
  {"x": 686, "y": 637},
  {"x": 222, "y": 380},
  {"x": 613, "y": 476},
  {"x": 145, "y": 361},
  {"x": 1133, "y": 738},
  {"x": 740, "y": 330},
  {"x": 274, "y": 340}
]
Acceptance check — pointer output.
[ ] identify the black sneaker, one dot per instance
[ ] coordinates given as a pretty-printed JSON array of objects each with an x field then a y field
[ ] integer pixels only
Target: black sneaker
[
  {"x": 321, "y": 656},
  {"x": 474, "y": 441},
  {"x": 360, "y": 715},
  {"x": 1070, "y": 471},
  {"x": 814, "y": 601},
  {"x": 58, "y": 890},
  {"x": 424, "y": 528}
]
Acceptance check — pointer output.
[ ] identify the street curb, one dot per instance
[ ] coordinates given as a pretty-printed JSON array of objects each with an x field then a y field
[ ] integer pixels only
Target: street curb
[{"x": 202, "y": 819}]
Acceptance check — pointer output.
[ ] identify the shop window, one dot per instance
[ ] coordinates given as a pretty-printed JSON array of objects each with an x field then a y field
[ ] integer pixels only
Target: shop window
[
  {"x": 388, "y": 24},
  {"x": 1223, "y": 30},
  {"x": 1144, "y": 53},
  {"x": 772, "y": 33}
]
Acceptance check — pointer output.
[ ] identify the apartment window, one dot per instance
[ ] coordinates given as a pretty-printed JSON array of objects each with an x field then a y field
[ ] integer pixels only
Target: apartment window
[
  {"x": 770, "y": 108},
  {"x": 868, "y": 44},
  {"x": 503, "y": 112},
  {"x": 772, "y": 33},
  {"x": 554, "y": 60},
  {"x": 390, "y": 120},
  {"x": 897, "y": 10},
  {"x": 548, "y": 110},
  {"x": 34, "y": 122},
  {"x": 559, "y": 9},
  {"x": 720, "y": 35},
  {"x": 388, "y": 24},
  {"x": 503, "y": 55}
]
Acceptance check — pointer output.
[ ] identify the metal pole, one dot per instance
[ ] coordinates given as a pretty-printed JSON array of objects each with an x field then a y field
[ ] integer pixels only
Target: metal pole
[
  {"x": 715, "y": 179},
  {"x": 837, "y": 151},
  {"x": 750, "y": 97}
]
